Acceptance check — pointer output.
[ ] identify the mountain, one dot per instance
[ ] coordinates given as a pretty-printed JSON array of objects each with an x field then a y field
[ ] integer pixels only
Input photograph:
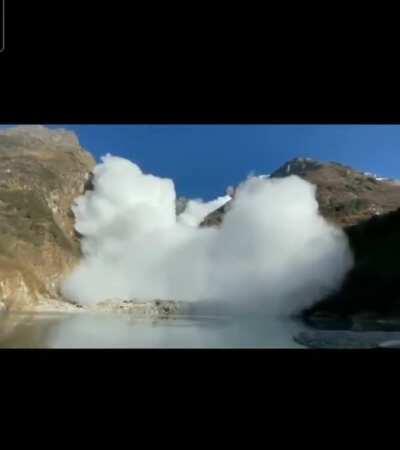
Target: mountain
[
  {"x": 180, "y": 205},
  {"x": 216, "y": 217},
  {"x": 371, "y": 289},
  {"x": 367, "y": 207},
  {"x": 41, "y": 172},
  {"x": 345, "y": 196}
]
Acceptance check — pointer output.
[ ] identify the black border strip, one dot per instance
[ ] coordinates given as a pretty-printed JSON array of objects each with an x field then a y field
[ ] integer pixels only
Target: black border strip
[{"x": 3, "y": 42}]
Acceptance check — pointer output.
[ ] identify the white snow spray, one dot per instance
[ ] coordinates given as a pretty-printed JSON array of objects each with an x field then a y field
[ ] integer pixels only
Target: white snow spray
[{"x": 273, "y": 252}]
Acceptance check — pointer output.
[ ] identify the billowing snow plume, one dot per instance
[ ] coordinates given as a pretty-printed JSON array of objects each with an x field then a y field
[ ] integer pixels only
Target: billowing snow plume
[{"x": 273, "y": 252}]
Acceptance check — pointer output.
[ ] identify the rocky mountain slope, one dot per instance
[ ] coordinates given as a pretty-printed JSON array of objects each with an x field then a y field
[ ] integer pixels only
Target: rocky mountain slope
[
  {"x": 370, "y": 291},
  {"x": 41, "y": 172},
  {"x": 368, "y": 209},
  {"x": 180, "y": 205},
  {"x": 345, "y": 196}
]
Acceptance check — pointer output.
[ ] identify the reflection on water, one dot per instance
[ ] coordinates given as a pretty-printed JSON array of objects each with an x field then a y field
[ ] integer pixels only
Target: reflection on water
[{"x": 125, "y": 331}]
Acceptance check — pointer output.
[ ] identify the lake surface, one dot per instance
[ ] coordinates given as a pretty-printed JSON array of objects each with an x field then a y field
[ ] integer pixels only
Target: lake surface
[
  {"x": 84, "y": 330},
  {"x": 125, "y": 331}
]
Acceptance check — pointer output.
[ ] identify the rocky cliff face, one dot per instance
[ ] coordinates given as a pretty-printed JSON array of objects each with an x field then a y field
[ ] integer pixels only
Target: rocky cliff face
[
  {"x": 370, "y": 290},
  {"x": 180, "y": 205},
  {"x": 368, "y": 208},
  {"x": 41, "y": 172},
  {"x": 345, "y": 196}
]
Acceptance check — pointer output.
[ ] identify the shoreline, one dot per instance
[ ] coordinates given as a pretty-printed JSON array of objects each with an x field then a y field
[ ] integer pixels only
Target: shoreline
[
  {"x": 12, "y": 319},
  {"x": 151, "y": 308}
]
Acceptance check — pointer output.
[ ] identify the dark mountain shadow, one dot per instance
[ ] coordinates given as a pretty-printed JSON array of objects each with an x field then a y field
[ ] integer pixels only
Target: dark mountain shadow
[{"x": 371, "y": 288}]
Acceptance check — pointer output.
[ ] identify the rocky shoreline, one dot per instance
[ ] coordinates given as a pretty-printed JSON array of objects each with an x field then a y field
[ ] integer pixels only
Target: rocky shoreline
[
  {"x": 12, "y": 319},
  {"x": 154, "y": 308}
]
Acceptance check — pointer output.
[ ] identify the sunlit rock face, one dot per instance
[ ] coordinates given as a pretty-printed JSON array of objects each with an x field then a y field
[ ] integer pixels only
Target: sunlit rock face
[
  {"x": 38, "y": 135},
  {"x": 41, "y": 172}
]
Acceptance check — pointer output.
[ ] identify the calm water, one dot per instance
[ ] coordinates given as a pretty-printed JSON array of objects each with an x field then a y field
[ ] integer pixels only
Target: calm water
[
  {"x": 196, "y": 331},
  {"x": 124, "y": 331}
]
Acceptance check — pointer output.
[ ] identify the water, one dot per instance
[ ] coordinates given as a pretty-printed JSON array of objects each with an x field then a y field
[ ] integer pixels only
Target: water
[{"x": 124, "y": 331}]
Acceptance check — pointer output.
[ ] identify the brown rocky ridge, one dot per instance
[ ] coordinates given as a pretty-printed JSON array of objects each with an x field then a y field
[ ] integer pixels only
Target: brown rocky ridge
[{"x": 345, "y": 196}]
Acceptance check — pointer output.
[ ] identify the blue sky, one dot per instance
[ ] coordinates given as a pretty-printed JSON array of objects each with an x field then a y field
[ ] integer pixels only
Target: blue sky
[{"x": 204, "y": 159}]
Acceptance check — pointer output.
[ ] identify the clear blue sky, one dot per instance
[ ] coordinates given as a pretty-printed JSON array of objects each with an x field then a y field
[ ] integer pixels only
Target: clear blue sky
[{"x": 204, "y": 159}]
